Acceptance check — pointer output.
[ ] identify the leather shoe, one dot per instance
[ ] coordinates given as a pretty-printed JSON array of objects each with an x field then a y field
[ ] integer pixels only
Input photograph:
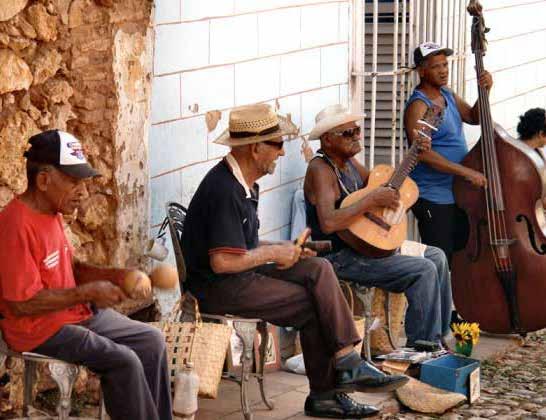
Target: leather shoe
[
  {"x": 367, "y": 378},
  {"x": 341, "y": 406}
]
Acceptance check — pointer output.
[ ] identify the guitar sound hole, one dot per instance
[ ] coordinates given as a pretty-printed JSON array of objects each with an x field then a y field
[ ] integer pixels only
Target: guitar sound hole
[{"x": 378, "y": 221}]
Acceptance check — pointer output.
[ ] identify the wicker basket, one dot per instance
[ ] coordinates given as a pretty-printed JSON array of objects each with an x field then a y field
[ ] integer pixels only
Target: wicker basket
[
  {"x": 382, "y": 308},
  {"x": 360, "y": 322},
  {"x": 203, "y": 344}
]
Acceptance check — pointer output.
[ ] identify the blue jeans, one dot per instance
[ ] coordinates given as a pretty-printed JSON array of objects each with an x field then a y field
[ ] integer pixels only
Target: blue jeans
[{"x": 425, "y": 281}]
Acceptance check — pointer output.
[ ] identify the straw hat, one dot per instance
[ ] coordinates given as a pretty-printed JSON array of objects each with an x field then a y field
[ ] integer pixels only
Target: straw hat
[
  {"x": 254, "y": 124},
  {"x": 330, "y": 117},
  {"x": 424, "y": 398}
]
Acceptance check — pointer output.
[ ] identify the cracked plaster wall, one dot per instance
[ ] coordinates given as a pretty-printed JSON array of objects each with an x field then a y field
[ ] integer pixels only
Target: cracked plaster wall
[{"x": 83, "y": 66}]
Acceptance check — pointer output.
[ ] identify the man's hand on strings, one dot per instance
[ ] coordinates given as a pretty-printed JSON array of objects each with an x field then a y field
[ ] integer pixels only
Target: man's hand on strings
[
  {"x": 486, "y": 80},
  {"x": 424, "y": 143}
]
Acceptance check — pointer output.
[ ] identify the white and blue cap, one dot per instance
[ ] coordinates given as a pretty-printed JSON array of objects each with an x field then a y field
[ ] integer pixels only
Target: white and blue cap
[
  {"x": 62, "y": 150},
  {"x": 428, "y": 49}
]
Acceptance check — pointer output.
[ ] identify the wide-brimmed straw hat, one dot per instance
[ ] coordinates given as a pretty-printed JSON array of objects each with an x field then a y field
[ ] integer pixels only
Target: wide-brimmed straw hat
[
  {"x": 256, "y": 123},
  {"x": 423, "y": 398},
  {"x": 331, "y": 117}
]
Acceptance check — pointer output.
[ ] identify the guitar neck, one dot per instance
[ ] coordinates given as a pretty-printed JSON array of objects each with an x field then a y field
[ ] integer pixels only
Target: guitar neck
[{"x": 404, "y": 169}]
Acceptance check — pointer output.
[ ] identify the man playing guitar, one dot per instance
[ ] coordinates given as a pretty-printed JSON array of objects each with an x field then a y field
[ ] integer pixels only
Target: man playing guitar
[{"x": 332, "y": 175}]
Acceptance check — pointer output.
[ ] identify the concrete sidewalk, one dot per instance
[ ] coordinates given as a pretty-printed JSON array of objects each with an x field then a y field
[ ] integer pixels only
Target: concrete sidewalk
[{"x": 288, "y": 390}]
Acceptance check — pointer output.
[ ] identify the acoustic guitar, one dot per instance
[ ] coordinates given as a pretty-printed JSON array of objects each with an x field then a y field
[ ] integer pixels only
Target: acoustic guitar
[{"x": 380, "y": 231}]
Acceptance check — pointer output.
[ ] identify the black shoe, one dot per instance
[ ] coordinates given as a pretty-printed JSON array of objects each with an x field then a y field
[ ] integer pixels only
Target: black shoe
[
  {"x": 455, "y": 318},
  {"x": 367, "y": 378},
  {"x": 341, "y": 406}
]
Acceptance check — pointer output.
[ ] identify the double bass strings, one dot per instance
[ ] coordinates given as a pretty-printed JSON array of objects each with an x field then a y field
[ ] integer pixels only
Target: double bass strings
[{"x": 494, "y": 194}]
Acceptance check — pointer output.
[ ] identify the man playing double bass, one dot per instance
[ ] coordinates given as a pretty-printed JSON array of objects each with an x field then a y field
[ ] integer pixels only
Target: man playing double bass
[{"x": 441, "y": 222}]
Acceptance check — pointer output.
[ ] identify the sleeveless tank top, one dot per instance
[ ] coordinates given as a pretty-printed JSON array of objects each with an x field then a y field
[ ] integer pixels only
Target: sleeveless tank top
[
  {"x": 349, "y": 181},
  {"x": 449, "y": 141}
]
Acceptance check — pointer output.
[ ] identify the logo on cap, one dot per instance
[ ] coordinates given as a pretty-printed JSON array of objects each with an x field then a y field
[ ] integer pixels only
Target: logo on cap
[
  {"x": 71, "y": 152},
  {"x": 77, "y": 150}
]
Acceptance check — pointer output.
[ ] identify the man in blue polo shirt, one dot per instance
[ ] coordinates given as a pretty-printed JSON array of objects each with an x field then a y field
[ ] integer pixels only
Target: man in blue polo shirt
[
  {"x": 231, "y": 271},
  {"x": 441, "y": 222}
]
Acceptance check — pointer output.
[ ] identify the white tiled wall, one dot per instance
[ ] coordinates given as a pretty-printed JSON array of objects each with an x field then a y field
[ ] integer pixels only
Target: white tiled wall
[
  {"x": 217, "y": 54},
  {"x": 516, "y": 57}
]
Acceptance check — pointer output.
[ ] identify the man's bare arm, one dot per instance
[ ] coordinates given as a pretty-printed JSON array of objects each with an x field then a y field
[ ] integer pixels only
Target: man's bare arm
[
  {"x": 285, "y": 255},
  {"x": 50, "y": 300}
]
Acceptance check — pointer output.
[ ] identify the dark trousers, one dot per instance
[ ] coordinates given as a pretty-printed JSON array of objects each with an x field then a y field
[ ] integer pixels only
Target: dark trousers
[
  {"x": 444, "y": 226},
  {"x": 130, "y": 358},
  {"x": 306, "y": 296}
]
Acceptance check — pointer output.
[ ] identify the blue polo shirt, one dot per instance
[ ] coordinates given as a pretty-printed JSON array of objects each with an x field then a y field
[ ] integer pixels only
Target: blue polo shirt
[{"x": 448, "y": 141}]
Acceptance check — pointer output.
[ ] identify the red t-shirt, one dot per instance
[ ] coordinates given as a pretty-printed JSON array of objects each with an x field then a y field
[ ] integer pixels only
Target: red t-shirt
[{"x": 34, "y": 255}]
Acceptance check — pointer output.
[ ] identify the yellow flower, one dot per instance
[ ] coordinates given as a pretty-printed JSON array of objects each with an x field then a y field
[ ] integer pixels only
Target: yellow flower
[{"x": 465, "y": 331}]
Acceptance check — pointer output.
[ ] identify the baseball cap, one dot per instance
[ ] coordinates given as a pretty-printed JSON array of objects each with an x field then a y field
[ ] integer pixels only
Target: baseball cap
[
  {"x": 62, "y": 150},
  {"x": 427, "y": 49}
]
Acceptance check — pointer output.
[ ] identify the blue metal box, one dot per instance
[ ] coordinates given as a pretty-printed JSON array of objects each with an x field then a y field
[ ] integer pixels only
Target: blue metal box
[{"x": 451, "y": 373}]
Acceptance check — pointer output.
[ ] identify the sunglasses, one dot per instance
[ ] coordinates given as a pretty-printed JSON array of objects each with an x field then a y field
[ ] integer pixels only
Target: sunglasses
[
  {"x": 276, "y": 144},
  {"x": 349, "y": 133}
]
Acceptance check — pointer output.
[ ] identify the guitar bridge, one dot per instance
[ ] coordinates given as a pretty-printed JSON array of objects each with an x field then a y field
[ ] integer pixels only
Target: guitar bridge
[{"x": 378, "y": 221}]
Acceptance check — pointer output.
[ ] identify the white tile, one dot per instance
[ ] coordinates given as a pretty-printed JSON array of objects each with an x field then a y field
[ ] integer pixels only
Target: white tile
[
  {"x": 344, "y": 22},
  {"x": 291, "y": 105},
  {"x": 207, "y": 89},
  {"x": 300, "y": 71},
  {"x": 293, "y": 165},
  {"x": 334, "y": 64},
  {"x": 192, "y": 177},
  {"x": 278, "y": 31},
  {"x": 271, "y": 236},
  {"x": 245, "y": 6},
  {"x": 319, "y": 25},
  {"x": 257, "y": 80},
  {"x": 313, "y": 102},
  {"x": 344, "y": 95},
  {"x": 199, "y": 9},
  {"x": 233, "y": 39},
  {"x": 275, "y": 207},
  {"x": 167, "y": 11},
  {"x": 181, "y": 47},
  {"x": 176, "y": 144},
  {"x": 165, "y": 98},
  {"x": 164, "y": 188}
]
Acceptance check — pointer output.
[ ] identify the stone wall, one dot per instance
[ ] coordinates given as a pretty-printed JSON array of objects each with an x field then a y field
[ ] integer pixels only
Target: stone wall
[{"x": 83, "y": 66}]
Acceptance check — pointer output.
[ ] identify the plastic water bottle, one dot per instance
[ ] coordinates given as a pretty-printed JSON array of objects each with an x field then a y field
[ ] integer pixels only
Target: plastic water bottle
[{"x": 186, "y": 387}]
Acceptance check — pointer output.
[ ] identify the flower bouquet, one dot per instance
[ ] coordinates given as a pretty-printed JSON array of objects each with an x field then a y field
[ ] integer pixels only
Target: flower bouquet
[{"x": 466, "y": 335}]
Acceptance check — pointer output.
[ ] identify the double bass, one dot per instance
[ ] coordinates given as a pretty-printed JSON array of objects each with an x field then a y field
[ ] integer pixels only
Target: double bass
[{"x": 499, "y": 278}]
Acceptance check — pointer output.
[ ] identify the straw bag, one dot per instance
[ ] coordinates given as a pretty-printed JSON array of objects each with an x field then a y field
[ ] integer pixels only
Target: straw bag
[
  {"x": 390, "y": 313},
  {"x": 360, "y": 322},
  {"x": 202, "y": 343}
]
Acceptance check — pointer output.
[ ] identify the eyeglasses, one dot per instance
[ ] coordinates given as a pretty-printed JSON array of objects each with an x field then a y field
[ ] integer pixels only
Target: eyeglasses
[
  {"x": 349, "y": 133},
  {"x": 276, "y": 144}
]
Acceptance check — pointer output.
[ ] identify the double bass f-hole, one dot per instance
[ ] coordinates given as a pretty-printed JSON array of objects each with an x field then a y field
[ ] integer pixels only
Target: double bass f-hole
[
  {"x": 478, "y": 246},
  {"x": 532, "y": 236}
]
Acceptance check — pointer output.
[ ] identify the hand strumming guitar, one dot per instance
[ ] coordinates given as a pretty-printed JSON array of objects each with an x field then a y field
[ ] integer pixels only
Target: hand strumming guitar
[
  {"x": 424, "y": 143},
  {"x": 384, "y": 197}
]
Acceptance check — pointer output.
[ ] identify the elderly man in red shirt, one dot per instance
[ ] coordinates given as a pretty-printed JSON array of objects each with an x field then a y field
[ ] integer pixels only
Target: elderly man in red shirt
[{"x": 56, "y": 306}]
